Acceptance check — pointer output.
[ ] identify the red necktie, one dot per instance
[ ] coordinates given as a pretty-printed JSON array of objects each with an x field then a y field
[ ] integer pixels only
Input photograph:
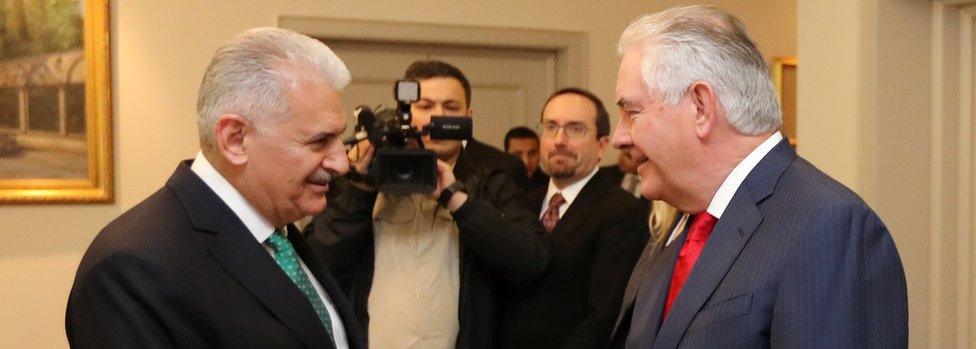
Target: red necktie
[
  {"x": 701, "y": 228},
  {"x": 551, "y": 216}
]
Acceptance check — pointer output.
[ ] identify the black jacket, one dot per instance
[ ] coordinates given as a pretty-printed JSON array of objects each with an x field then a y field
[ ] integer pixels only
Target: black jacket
[
  {"x": 594, "y": 247},
  {"x": 499, "y": 238},
  {"x": 180, "y": 270},
  {"x": 486, "y": 155}
]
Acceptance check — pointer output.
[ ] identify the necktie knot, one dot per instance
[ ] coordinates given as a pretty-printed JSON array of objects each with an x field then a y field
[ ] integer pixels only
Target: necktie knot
[
  {"x": 701, "y": 226},
  {"x": 278, "y": 242},
  {"x": 556, "y": 201},
  {"x": 551, "y": 216}
]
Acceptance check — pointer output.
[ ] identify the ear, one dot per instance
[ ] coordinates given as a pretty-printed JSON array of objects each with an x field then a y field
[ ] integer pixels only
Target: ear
[
  {"x": 603, "y": 145},
  {"x": 706, "y": 108},
  {"x": 230, "y": 131}
]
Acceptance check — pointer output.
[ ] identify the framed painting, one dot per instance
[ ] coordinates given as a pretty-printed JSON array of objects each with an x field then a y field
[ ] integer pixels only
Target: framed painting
[
  {"x": 784, "y": 75},
  {"x": 55, "y": 94}
]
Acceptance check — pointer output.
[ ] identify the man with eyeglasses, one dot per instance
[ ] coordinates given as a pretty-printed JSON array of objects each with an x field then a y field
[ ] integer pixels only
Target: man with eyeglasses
[{"x": 595, "y": 229}]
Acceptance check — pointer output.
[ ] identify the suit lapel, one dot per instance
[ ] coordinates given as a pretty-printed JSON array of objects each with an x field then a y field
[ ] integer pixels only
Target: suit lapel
[
  {"x": 739, "y": 221},
  {"x": 650, "y": 295},
  {"x": 579, "y": 211},
  {"x": 728, "y": 237},
  {"x": 324, "y": 276},
  {"x": 236, "y": 250},
  {"x": 640, "y": 272}
]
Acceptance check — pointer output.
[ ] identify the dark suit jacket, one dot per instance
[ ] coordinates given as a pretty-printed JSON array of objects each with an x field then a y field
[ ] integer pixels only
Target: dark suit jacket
[
  {"x": 486, "y": 155},
  {"x": 796, "y": 261},
  {"x": 594, "y": 247},
  {"x": 539, "y": 179},
  {"x": 180, "y": 270},
  {"x": 613, "y": 174},
  {"x": 499, "y": 238}
]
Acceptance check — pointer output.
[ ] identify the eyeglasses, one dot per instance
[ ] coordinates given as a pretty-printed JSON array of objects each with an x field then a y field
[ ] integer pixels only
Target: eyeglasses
[{"x": 572, "y": 130}]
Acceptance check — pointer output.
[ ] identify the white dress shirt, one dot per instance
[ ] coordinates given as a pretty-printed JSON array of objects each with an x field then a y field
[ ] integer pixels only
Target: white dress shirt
[
  {"x": 262, "y": 230},
  {"x": 570, "y": 192},
  {"x": 720, "y": 201}
]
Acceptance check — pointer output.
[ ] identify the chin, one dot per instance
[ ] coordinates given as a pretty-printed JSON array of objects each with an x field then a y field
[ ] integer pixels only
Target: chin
[
  {"x": 651, "y": 192},
  {"x": 312, "y": 207}
]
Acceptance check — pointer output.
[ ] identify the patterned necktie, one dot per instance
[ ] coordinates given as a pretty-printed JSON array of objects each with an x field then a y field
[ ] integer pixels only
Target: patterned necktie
[
  {"x": 287, "y": 259},
  {"x": 551, "y": 216},
  {"x": 701, "y": 227}
]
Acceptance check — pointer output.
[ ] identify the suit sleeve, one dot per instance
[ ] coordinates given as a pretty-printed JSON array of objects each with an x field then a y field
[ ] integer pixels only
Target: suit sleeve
[
  {"x": 340, "y": 234},
  {"x": 845, "y": 287},
  {"x": 118, "y": 304},
  {"x": 617, "y": 250},
  {"x": 498, "y": 227}
]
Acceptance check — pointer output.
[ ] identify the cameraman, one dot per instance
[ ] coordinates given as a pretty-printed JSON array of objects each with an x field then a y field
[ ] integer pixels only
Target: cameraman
[{"x": 421, "y": 270}]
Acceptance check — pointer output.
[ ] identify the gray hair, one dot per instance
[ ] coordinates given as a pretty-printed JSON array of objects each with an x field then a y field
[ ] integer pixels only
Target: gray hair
[
  {"x": 245, "y": 77},
  {"x": 686, "y": 44}
]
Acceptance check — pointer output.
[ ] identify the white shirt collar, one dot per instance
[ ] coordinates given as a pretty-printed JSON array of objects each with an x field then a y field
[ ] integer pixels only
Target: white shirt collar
[
  {"x": 255, "y": 222},
  {"x": 570, "y": 192},
  {"x": 722, "y": 197}
]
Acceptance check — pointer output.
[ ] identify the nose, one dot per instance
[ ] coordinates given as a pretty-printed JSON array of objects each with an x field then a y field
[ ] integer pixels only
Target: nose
[
  {"x": 560, "y": 137},
  {"x": 621, "y": 136},
  {"x": 336, "y": 159}
]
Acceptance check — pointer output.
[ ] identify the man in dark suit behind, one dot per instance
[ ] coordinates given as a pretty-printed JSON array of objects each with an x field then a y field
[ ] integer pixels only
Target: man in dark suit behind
[
  {"x": 773, "y": 252},
  {"x": 211, "y": 259},
  {"x": 596, "y": 231},
  {"x": 523, "y": 143}
]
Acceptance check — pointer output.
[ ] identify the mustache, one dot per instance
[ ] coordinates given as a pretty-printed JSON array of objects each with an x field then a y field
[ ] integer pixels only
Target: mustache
[
  {"x": 562, "y": 152},
  {"x": 322, "y": 177}
]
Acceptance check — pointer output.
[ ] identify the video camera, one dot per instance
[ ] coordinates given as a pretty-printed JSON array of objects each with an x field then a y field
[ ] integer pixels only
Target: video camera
[{"x": 398, "y": 167}]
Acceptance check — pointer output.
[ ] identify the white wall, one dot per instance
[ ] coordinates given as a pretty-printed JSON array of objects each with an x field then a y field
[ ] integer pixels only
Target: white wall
[{"x": 160, "y": 49}]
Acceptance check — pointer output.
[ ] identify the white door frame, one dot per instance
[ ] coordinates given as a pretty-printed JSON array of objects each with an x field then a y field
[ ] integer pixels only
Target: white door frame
[
  {"x": 569, "y": 47},
  {"x": 952, "y": 286}
]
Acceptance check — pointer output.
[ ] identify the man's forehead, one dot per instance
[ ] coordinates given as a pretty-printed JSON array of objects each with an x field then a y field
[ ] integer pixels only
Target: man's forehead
[
  {"x": 440, "y": 86},
  {"x": 524, "y": 140}
]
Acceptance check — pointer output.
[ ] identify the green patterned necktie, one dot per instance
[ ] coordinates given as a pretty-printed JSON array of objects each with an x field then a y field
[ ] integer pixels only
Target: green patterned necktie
[{"x": 287, "y": 259}]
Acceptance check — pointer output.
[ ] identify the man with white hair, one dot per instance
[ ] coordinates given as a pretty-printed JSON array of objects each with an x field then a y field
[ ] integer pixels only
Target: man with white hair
[
  {"x": 772, "y": 252},
  {"x": 212, "y": 259}
]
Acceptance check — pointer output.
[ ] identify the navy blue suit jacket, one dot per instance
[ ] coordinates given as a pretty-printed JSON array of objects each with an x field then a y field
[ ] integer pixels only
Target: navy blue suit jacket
[{"x": 797, "y": 260}]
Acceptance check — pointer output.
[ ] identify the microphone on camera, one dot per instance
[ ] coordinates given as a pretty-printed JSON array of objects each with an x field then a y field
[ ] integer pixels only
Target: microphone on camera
[{"x": 364, "y": 120}]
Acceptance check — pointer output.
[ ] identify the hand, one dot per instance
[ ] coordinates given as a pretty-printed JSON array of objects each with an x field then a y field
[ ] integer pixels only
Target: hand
[
  {"x": 360, "y": 157},
  {"x": 445, "y": 177}
]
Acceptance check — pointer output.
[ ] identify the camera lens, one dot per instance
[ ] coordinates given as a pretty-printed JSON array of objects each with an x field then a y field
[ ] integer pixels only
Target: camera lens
[{"x": 403, "y": 170}]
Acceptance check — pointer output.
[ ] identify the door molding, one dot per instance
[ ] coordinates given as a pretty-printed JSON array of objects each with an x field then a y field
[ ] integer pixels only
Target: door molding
[
  {"x": 952, "y": 280},
  {"x": 569, "y": 47}
]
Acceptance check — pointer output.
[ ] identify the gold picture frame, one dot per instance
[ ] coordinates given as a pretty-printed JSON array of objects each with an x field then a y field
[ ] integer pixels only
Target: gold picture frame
[
  {"x": 67, "y": 133},
  {"x": 784, "y": 76}
]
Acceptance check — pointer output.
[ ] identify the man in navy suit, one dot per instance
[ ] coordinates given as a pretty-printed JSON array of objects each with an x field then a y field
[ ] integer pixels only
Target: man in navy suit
[
  {"x": 772, "y": 252},
  {"x": 212, "y": 260}
]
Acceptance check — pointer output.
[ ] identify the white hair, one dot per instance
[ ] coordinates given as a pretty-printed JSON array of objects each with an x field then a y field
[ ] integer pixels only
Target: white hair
[
  {"x": 686, "y": 44},
  {"x": 246, "y": 77}
]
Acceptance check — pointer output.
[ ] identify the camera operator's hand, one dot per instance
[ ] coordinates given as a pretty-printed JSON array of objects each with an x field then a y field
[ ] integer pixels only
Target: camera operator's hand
[
  {"x": 445, "y": 177},
  {"x": 360, "y": 157}
]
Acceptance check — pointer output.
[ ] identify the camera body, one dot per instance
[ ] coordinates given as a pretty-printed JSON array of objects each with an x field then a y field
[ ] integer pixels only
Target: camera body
[{"x": 401, "y": 164}]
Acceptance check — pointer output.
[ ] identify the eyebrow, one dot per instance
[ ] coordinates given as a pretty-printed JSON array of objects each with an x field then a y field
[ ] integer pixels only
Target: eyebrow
[{"x": 326, "y": 134}]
